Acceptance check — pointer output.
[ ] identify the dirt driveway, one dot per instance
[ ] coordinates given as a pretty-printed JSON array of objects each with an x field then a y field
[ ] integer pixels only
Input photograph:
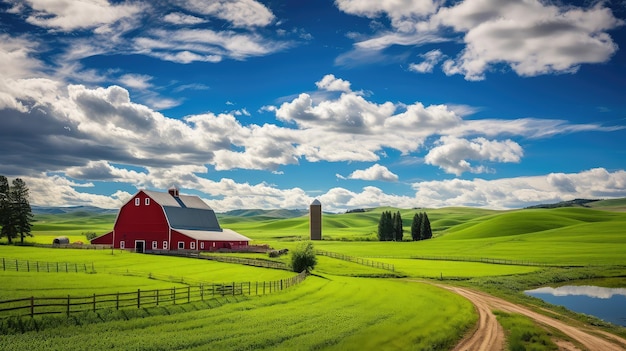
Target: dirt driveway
[{"x": 488, "y": 335}]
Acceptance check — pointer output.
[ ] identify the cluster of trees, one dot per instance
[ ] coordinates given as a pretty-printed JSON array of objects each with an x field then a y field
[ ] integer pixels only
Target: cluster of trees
[
  {"x": 420, "y": 227},
  {"x": 390, "y": 227},
  {"x": 16, "y": 216}
]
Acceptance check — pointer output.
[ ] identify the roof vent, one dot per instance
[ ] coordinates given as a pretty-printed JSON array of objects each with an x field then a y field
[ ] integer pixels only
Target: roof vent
[{"x": 173, "y": 191}]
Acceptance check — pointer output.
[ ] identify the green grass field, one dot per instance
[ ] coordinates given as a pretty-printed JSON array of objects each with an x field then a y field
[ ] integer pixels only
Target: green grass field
[
  {"x": 340, "y": 308},
  {"x": 333, "y": 313}
]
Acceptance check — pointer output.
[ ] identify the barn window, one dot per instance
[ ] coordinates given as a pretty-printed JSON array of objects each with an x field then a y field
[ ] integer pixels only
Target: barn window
[
  {"x": 137, "y": 201},
  {"x": 214, "y": 244},
  {"x": 181, "y": 245},
  {"x": 155, "y": 245},
  {"x": 165, "y": 245},
  {"x": 122, "y": 244},
  {"x": 192, "y": 245},
  {"x": 147, "y": 201},
  {"x": 202, "y": 245}
]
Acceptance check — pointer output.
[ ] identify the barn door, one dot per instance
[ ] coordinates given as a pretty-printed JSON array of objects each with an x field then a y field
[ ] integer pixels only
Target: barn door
[{"x": 140, "y": 246}]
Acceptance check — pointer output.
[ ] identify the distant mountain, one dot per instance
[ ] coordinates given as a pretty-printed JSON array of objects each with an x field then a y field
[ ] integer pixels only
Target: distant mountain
[
  {"x": 267, "y": 213},
  {"x": 571, "y": 203},
  {"x": 72, "y": 209}
]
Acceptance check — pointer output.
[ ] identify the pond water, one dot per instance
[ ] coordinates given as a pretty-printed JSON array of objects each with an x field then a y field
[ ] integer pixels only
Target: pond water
[{"x": 608, "y": 304}]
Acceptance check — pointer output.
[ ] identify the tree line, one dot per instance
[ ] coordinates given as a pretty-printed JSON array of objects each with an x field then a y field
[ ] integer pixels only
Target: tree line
[
  {"x": 390, "y": 227},
  {"x": 16, "y": 215}
]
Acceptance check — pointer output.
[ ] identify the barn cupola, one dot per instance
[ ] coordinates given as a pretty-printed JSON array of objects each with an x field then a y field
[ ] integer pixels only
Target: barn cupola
[{"x": 173, "y": 191}]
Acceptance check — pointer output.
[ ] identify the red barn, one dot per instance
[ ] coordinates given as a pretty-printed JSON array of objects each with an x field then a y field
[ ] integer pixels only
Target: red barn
[{"x": 153, "y": 220}]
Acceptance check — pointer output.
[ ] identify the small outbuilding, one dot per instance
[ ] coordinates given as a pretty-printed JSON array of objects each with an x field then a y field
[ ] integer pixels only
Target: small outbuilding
[
  {"x": 153, "y": 220},
  {"x": 61, "y": 240}
]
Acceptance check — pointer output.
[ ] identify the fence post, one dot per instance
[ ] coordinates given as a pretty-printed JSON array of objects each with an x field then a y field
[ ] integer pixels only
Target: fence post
[
  {"x": 157, "y": 297},
  {"x": 32, "y": 306},
  {"x": 264, "y": 287},
  {"x": 233, "y": 288},
  {"x": 27, "y": 265},
  {"x": 68, "y": 305},
  {"x": 4, "y": 268},
  {"x": 94, "y": 302},
  {"x": 201, "y": 289},
  {"x": 76, "y": 267},
  {"x": 37, "y": 262},
  {"x": 66, "y": 270},
  {"x": 174, "y": 295},
  {"x": 17, "y": 268},
  {"x": 117, "y": 301},
  {"x": 188, "y": 293},
  {"x": 138, "y": 298},
  {"x": 57, "y": 267}
]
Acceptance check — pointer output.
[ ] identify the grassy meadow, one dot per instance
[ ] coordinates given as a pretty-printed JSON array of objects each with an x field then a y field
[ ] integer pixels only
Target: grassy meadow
[{"x": 343, "y": 305}]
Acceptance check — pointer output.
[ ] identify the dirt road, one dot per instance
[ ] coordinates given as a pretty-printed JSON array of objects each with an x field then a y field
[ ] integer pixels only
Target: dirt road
[{"x": 489, "y": 335}]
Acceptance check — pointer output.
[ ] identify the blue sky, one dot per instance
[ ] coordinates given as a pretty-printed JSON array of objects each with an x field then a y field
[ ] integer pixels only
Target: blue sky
[{"x": 271, "y": 104}]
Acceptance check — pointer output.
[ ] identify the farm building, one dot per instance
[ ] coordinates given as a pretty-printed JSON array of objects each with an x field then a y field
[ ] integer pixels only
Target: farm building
[{"x": 153, "y": 220}]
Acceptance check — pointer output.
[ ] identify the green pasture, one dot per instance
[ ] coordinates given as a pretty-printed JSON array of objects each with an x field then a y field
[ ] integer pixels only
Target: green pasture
[
  {"x": 331, "y": 313},
  {"x": 451, "y": 269},
  {"x": 17, "y": 285},
  {"x": 109, "y": 264}
]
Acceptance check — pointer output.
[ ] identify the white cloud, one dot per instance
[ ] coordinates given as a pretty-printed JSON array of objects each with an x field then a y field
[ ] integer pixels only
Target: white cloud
[
  {"x": 68, "y": 15},
  {"x": 136, "y": 81},
  {"x": 530, "y": 37},
  {"x": 182, "y": 19},
  {"x": 376, "y": 172},
  {"x": 330, "y": 83},
  {"x": 241, "y": 13},
  {"x": 431, "y": 59},
  {"x": 189, "y": 45},
  {"x": 522, "y": 191},
  {"x": 453, "y": 154}
]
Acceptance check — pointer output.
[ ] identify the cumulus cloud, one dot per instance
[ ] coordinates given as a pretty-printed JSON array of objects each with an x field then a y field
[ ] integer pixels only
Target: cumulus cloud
[
  {"x": 376, "y": 172},
  {"x": 136, "y": 81},
  {"x": 330, "y": 83},
  {"x": 452, "y": 154},
  {"x": 530, "y": 37},
  {"x": 523, "y": 191}
]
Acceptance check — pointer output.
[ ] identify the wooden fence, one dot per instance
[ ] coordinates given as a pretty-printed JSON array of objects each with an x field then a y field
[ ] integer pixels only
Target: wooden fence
[
  {"x": 227, "y": 259},
  {"x": 489, "y": 260},
  {"x": 32, "y": 306},
  {"x": 358, "y": 260},
  {"x": 10, "y": 264}
]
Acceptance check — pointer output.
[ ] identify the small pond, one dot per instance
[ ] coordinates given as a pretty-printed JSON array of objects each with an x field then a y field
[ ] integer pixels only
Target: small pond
[{"x": 608, "y": 304}]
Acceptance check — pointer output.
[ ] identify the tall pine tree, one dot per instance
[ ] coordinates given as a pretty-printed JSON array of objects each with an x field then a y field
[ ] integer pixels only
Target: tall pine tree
[
  {"x": 426, "y": 231},
  {"x": 416, "y": 227},
  {"x": 21, "y": 208},
  {"x": 6, "y": 211},
  {"x": 397, "y": 226}
]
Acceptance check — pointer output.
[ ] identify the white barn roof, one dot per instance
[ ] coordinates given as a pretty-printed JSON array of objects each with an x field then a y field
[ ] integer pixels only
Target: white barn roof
[{"x": 209, "y": 235}]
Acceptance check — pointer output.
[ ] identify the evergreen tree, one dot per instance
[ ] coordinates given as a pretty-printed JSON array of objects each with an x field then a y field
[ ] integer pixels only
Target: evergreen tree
[
  {"x": 426, "y": 231},
  {"x": 6, "y": 211},
  {"x": 381, "y": 227},
  {"x": 397, "y": 226},
  {"x": 22, "y": 211},
  {"x": 416, "y": 227},
  {"x": 385, "y": 227}
]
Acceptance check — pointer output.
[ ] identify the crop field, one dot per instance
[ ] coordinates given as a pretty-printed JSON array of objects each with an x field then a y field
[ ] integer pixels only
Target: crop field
[{"x": 335, "y": 313}]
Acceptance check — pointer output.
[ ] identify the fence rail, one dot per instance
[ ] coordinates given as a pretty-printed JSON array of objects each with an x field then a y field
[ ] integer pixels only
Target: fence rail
[
  {"x": 226, "y": 259},
  {"x": 489, "y": 260},
  {"x": 358, "y": 260},
  {"x": 11, "y": 264},
  {"x": 32, "y": 306}
]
